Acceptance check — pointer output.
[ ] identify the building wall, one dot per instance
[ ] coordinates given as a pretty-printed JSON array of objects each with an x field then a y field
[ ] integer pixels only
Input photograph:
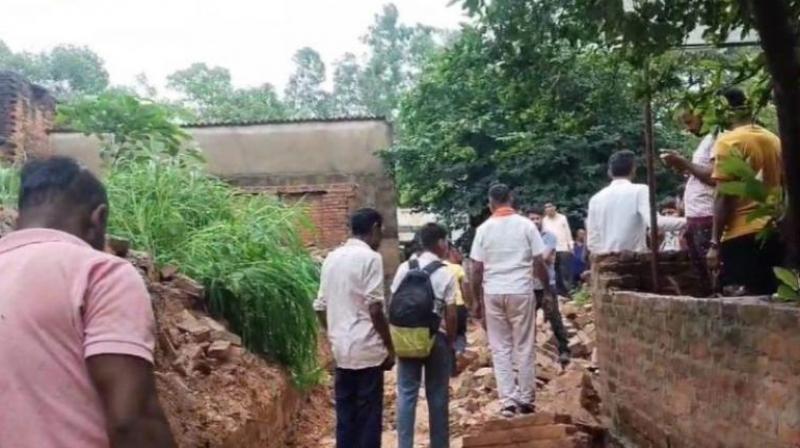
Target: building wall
[
  {"x": 26, "y": 113},
  {"x": 329, "y": 166},
  {"x": 678, "y": 371}
]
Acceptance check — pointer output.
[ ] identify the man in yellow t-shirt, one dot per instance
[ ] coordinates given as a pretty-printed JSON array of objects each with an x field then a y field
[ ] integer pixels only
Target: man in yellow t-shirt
[
  {"x": 453, "y": 264},
  {"x": 742, "y": 259}
]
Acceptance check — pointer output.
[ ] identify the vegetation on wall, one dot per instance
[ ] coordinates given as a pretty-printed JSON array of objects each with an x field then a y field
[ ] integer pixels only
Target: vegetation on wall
[{"x": 244, "y": 248}]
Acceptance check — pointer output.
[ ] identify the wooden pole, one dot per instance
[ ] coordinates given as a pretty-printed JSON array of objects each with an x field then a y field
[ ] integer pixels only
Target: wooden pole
[{"x": 650, "y": 150}]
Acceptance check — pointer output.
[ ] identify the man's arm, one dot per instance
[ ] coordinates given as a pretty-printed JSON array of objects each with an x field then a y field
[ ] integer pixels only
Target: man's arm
[
  {"x": 684, "y": 165},
  {"x": 466, "y": 292},
  {"x": 724, "y": 207},
  {"x": 375, "y": 304},
  {"x": 663, "y": 223},
  {"x": 381, "y": 325},
  {"x": 540, "y": 271},
  {"x": 568, "y": 231},
  {"x": 477, "y": 288},
  {"x": 127, "y": 389}
]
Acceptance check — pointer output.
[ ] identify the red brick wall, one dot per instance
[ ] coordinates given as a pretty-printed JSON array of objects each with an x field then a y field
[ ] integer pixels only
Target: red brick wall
[
  {"x": 26, "y": 114},
  {"x": 683, "y": 372},
  {"x": 328, "y": 207}
]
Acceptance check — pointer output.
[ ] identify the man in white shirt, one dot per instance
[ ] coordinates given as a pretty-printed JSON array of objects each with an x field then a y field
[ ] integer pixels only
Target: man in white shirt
[
  {"x": 438, "y": 365},
  {"x": 350, "y": 306},
  {"x": 619, "y": 215},
  {"x": 507, "y": 250},
  {"x": 698, "y": 197},
  {"x": 556, "y": 224}
]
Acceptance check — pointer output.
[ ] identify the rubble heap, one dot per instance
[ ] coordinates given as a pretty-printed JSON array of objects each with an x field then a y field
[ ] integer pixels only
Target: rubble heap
[
  {"x": 214, "y": 392},
  {"x": 567, "y": 401}
]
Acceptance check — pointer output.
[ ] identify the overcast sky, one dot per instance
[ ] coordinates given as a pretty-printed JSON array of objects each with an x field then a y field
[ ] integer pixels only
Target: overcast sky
[{"x": 255, "y": 39}]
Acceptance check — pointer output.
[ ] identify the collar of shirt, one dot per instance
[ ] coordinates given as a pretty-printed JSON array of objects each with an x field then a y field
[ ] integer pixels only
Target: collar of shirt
[
  {"x": 427, "y": 257},
  {"x": 24, "y": 237},
  {"x": 356, "y": 242},
  {"x": 616, "y": 182}
]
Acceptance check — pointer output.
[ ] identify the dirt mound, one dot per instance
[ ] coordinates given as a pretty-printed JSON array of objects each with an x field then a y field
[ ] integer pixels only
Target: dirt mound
[{"x": 215, "y": 393}]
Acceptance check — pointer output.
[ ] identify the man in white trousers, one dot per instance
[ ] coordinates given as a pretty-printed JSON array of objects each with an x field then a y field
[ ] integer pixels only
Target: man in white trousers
[{"x": 506, "y": 252}]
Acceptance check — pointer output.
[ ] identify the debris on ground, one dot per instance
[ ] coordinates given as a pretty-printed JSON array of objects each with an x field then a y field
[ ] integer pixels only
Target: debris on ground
[
  {"x": 215, "y": 393},
  {"x": 567, "y": 396}
]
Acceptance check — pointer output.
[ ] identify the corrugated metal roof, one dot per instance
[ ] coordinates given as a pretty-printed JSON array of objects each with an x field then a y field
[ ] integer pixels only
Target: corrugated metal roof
[
  {"x": 212, "y": 124},
  {"x": 207, "y": 124}
]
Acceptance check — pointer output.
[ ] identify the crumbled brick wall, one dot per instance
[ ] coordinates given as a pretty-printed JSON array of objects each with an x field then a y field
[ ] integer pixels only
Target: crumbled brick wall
[
  {"x": 678, "y": 371},
  {"x": 328, "y": 207},
  {"x": 632, "y": 271},
  {"x": 26, "y": 114}
]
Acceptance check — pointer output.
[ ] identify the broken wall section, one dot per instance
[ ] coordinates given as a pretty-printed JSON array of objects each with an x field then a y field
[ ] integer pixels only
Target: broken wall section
[
  {"x": 678, "y": 371},
  {"x": 27, "y": 112}
]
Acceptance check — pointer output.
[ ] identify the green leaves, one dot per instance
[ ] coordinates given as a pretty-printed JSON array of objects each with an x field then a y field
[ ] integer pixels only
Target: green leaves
[
  {"x": 127, "y": 126},
  {"x": 789, "y": 289},
  {"x": 789, "y": 278}
]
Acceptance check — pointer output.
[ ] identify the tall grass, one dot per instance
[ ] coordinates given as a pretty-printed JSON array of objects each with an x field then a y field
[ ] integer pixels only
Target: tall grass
[
  {"x": 9, "y": 186},
  {"x": 244, "y": 248}
]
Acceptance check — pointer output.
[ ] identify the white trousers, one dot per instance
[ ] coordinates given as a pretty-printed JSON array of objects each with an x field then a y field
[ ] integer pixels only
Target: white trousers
[{"x": 511, "y": 328}]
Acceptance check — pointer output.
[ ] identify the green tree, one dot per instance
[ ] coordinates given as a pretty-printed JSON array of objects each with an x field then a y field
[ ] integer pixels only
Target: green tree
[
  {"x": 210, "y": 94},
  {"x": 649, "y": 29},
  {"x": 305, "y": 95},
  {"x": 128, "y": 127},
  {"x": 66, "y": 70},
  {"x": 542, "y": 117},
  {"x": 347, "y": 98},
  {"x": 397, "y": 53}
]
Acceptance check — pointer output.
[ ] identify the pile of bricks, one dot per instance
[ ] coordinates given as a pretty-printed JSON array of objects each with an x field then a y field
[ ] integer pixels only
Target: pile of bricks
[{"x": 540, "y": 430}]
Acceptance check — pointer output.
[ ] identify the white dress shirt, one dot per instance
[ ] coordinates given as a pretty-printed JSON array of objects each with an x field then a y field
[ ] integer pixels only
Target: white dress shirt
[
  {"x": 619, "y": 216},
  {"x": 352, "y": 280},
  {"x": 698, "y": 198},
  {"x": 506, "y": 245},
  {"x": 559, "y": 227},
  {"x": 443, "y": 281}
]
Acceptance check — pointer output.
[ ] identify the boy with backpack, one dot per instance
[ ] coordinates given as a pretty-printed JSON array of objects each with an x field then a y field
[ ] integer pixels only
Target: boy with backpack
[{"x": 422, "y": 319}]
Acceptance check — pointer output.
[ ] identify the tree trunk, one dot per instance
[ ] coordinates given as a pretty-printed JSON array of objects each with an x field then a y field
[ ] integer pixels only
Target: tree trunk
[{"x": 775, "y": 24}]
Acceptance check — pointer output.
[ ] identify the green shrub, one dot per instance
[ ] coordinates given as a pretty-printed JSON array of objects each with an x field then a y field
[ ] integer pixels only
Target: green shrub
[
  {"x": 9, "y": 186},
  {"x": 244, "y": 248}
]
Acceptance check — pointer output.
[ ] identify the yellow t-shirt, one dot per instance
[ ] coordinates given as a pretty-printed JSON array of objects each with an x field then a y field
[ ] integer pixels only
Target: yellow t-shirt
[
  {"x": 458, "y": 271},
  {"x": 762, "y": 149}
]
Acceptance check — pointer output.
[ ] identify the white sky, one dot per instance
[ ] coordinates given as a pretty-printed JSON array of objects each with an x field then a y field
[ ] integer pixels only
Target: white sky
[{"x": 255, "y": 39}]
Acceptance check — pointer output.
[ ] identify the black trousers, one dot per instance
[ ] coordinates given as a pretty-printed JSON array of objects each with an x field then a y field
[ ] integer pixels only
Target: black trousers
[
  {"x": 564, "y": 273},
  {"x": 748, "y": 262},
  {"x": 553, "y": 315},
  {"x": 359, "y": 407}
]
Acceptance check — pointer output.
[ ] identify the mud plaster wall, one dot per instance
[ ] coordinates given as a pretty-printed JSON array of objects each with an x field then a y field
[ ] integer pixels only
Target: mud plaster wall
[
  {"x": 26, "y": 114},
  {"x": 678, "y": 371}
]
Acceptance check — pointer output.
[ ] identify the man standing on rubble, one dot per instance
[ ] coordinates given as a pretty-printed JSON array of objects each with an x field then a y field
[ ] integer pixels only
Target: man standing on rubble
[
  {"x": 558, "y": 226},
  {"x": 507, "y": 250},
  {"x": 76, "y": 323},
  {"x": 549, "y": 303},
  {"x": 350, "y": 306}
]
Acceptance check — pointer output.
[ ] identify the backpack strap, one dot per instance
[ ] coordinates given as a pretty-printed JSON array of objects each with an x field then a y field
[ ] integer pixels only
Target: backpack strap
[
  {"x": 433, "y": 267},
  {"x": 413, "y": 264}
]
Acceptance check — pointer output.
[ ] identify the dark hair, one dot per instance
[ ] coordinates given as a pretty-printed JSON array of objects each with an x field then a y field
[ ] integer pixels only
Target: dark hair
[
  {"x": 735, "y": 97},
  {"x": 364, "y": 220},
  {"x": 430, "y": 234},
  {"x": 535, "y": 210},
  {"x": 668, "y": 203},
  {"x": 59, "y": 180},
  {"x": 500, "y": 194},
  {"x": 622, "y": 163}
]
